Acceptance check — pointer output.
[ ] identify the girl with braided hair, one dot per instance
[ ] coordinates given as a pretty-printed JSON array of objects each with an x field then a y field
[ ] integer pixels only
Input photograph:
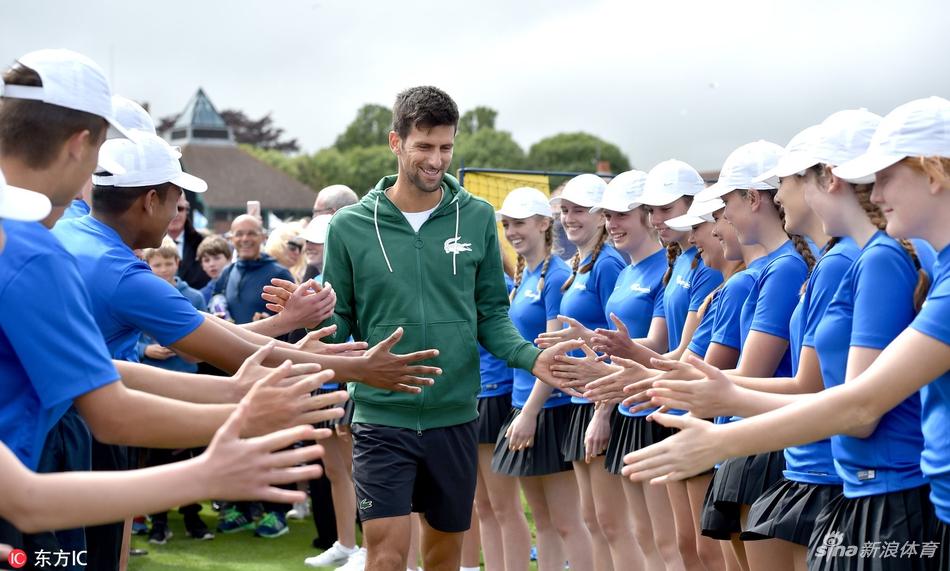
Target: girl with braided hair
[
  {"x": 528, "y": 446},
  {"x": 594, "y": 273}
]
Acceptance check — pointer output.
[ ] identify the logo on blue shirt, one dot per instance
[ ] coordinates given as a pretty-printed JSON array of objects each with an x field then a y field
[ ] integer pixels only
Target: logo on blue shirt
[
  {"x": 682, "y": 283},
  {"x": 640, "y": 289}
]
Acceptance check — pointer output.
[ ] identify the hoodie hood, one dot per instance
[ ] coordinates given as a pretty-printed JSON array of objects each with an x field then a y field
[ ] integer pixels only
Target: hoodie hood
[
  {"x": 251, "y": 265},
  {"x": 454, "y": 198}
]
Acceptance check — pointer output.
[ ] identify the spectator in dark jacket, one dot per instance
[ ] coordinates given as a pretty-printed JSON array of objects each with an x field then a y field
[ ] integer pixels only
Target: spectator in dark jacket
[{"x": 182, "y": 231}]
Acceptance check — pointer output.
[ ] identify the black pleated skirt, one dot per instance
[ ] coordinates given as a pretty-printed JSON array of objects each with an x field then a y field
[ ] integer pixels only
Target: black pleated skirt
[
  {"x": 544, "y": 457},
  {"x": 492, "y": 412},
  {"x": 630, "y": 433},
  {"x": 854, "y": 534},
  {"x": 738, "y": 481},
  {"x": 788, "y": 510}
]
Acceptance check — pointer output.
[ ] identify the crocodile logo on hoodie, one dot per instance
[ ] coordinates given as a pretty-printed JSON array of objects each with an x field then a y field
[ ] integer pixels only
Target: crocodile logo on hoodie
[{"x": 452, "y": 246}]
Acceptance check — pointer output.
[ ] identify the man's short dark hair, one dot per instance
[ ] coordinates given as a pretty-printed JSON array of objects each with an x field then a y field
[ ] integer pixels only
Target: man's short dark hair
[
  {"x": 33, "y": 131},
  {"x": 423, "y": 107},
  {"x": 116, "y": 200}
]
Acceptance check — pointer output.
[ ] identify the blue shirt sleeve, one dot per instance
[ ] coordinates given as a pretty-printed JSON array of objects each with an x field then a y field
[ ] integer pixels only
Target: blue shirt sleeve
[
  {"x": 151, "y": 304},
  {"x": 704, "y": 282},
  {"x": 552, "y": 292},
  {"x": 932, "y": 319},
  {"x": 778, "y": 295},
  {"x": 822, "y": 285},
  {"x": 726, "y": 329},
  {"x": 883, "y": 297},
  {"x": 52, "y": 331}
]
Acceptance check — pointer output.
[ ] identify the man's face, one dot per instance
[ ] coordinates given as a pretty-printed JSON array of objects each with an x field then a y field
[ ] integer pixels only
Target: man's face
[
  {"x": 314, "y": 253},
  {"x": 212, "y": 264},
  {"x": 177, "y": 225},
  {"x": 320, "y": 206},
  {"x": 163, "y": 267},
  {"x": 247, "y": 236},
  {"x": 424, "y": 155}
]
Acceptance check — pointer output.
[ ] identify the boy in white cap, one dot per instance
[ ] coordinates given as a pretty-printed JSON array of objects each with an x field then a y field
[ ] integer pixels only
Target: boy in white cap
[{"x": 53, "y": 118}]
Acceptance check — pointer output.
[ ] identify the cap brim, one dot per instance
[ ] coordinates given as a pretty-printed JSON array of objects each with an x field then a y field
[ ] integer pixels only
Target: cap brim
[
  {"x": 190, "y": 182},
  {"x": 106, "y": 163},
  {"x": 684, "y": 222},
  {"x": 119, "y": 128},
  {"x": 21, "y": 204},
  {"x": 614, "y": 207},
  {"x": 862, "y": 169},
  {"x": 716, "y": 190},
  {"x": 659, "y": 198},
  {"x": 788, "y": 165}
]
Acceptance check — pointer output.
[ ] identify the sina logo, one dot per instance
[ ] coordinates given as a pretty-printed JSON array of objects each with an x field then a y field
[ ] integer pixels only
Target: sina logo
[
  {"x": 682, "y": 283},
  {"x": 452, "y": 246},
  {"x": 640, "y": 289}
]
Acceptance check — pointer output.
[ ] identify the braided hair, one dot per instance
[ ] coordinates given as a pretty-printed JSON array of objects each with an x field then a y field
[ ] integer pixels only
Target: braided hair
[
  {"x": 673, "y": 251},
  {"x": 548, "y": 248},
  {"x": 576, "y": 260}
]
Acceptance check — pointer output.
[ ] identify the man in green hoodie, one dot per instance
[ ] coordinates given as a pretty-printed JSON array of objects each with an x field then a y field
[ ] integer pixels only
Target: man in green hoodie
[{"x": 420, "y": 253}]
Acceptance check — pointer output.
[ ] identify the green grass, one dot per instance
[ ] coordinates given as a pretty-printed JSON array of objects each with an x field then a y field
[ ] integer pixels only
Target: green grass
[{"x": 236, "y": 552}]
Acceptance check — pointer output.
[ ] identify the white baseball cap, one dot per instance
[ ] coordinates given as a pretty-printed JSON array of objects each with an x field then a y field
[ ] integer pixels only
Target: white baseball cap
[
  {"x": 622, "y": 192},
  {"x": 583, "y": 190},
  {"x": 797, "y": 156},
  {"x": 130, "y": 115},
  {"x": 699, "y": 211},
  {"x": 316, "y": 230},
  {"x": 524, "y": 202},
  {"x": 21, "y": 204},
  {"x": 920, "y": 128},
  {"x": 669, "y": 181},
  {"x": 742, "y": 167},
  {"x": 70, "y": 80},
  {"x": 146, "y": 159}
]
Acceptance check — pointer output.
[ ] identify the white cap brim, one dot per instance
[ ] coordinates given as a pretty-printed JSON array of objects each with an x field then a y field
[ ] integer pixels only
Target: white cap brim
[
  {"x": 716, "y": 190},
  {"x": 190, "y": 182},
  {"x": 21, "y": 204},
  {"x": 520, "y": 214},
  {"x": 659, "y": 198},
  {"x": 119, "y": 128},
  {"x": 862, "y": 169},
  {"x": 106, "y": 163},
  {"x": 615, "y": 207},
  {"x": 687, "y": 221},
  {"x": 580, "y": 202},
  {"x": 790, "y": 164}
]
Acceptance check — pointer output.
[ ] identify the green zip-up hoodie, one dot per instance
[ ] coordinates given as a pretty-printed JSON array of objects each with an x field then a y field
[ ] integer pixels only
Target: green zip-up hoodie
[{"x": 443, "y": 285}]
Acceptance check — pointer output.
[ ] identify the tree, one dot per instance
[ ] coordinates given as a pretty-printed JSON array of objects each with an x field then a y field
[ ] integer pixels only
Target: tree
[
  {"x": 477, "y": 119},
  {"x": 323, "y": 168},
  {"x": 575, "y": 152},
  {"x": 487, "y": 148},
  {"x": 370, "y": 128},
  {"x": 366, "y": 165}
]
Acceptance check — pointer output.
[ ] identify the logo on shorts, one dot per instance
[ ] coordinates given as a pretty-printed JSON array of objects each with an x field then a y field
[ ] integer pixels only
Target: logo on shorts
[
  {"x": 452, "y": 246},
  {"x": 366, "y": 504}
]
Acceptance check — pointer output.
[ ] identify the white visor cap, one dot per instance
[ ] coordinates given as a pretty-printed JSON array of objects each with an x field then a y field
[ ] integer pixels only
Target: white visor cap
[
  {"x": 524, "y": 202},
  {"x": 669, "y": 181},
  {"x": 583, "y": 190},
  {"x": 742, "y": 167},
  {"x": 920, "y": 128},
  {"x": 145, "y": 159},
  {"x": 623, "y": 192}
]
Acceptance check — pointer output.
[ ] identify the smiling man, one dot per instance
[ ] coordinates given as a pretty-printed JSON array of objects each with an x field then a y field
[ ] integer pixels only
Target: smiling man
[{"x": 421, "y": 253}]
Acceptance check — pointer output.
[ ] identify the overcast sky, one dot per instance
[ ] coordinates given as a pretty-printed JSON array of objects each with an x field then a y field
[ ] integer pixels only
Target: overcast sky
[{"x": 662, "y": 79}]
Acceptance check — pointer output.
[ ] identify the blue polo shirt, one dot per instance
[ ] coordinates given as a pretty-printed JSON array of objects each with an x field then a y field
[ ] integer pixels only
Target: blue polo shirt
[
  {"x": 51, "y": 350},
  {"x": 814, "y": 463},
  {"x": 530, "y": 311},
  {"x": 588, "y": 294},
  {"x": 773, "y": 298},
  {"x": 496, "y": 375},
  {"x": 935, "y": 397},
  {"x": 76, "y": 209},
  {"x": 637, "y": 299},
  {"x": 685, "y": 292},
  {"x": 873, "y": 304},
  {"x": 127, "y": 298}
]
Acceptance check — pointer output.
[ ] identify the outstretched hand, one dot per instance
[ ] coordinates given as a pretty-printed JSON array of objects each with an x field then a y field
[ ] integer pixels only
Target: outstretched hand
[
  {"x": 573, "y": 329},
  {"x": 388, "y": 371},
  {"x": 543, "y": 367},
  {"x": 312, "y": 343},
  {"x": 613, "y": 387},
  {"x": 614, "y": 342},
  {"x": 250, "y": 469},
  {"x": 305, "y": 305},
  {"x": 280, "y": 400},
  {"x": 706, "y": 397},
  {"x": 695, "y": 448},
  {"x": 584, "y": 369}
]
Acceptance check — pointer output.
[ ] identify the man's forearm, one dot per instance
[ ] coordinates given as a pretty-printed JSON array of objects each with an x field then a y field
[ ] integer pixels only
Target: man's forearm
[{"x": 204, "y": 389}]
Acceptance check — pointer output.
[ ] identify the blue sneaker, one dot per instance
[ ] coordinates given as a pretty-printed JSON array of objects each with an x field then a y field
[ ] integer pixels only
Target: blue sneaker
[
  {"x": 534, "y": 553},
  {"x": 232, "y": 521},
  {"x": 273, "y": 524}
]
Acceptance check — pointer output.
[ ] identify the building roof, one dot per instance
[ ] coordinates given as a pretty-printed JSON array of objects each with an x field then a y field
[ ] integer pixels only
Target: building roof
[
  {"x": 234, "y": 177},
  {"x": 200, "y": 121}
]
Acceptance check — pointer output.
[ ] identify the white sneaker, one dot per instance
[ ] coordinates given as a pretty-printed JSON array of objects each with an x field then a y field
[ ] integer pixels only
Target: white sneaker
[
  {"x": 356, "y": 562},
  {"x": 301, "y": 510},
  {"x": 336, "y": 555}
]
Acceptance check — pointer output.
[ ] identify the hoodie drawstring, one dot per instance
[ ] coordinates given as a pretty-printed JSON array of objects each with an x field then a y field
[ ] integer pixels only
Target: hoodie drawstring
[
  {"x": 455, "y": 251},
  {"x": 380, "y": 238}
]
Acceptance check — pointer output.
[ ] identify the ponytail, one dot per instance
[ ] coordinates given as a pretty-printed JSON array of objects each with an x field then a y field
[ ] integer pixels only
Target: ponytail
[
  {"x": 576, "y": 260},
  {"x": 673, "y": 251}
]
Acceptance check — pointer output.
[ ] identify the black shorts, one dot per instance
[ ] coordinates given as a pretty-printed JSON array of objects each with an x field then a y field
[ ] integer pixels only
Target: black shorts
[{"x": 433, "y": 472}]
